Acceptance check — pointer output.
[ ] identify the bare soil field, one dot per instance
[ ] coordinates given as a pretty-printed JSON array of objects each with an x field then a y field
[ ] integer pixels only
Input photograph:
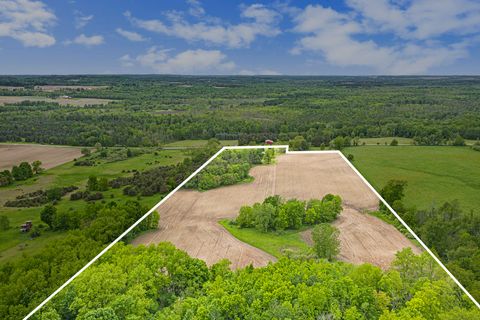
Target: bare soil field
[
  {"x": 189, "y": 219},
  {"x": 79, "y": 102},
  {"x": 52, "y": 88},
  {"x": 51, "y": 156}
]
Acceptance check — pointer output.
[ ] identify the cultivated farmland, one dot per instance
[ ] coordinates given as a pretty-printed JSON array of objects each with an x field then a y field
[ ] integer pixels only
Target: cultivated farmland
[
  {"x": 50, "y": 156},
  {"x": 189, "y": 219}
]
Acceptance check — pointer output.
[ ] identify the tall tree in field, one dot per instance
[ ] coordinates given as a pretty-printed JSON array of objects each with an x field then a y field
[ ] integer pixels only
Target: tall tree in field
[
  {"x": 298, "y": 143},
  {"x": 36, "y": 166},
  {"x": 393, "y": 191},
  {"x": 48, "y": 214},
  {"x": 4, "y": 223},
  {"x": 326, "y": 242}
]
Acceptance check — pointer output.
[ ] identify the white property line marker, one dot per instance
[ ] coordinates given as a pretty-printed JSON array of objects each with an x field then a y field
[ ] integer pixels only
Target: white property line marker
[{"x": 253, "y": 147}]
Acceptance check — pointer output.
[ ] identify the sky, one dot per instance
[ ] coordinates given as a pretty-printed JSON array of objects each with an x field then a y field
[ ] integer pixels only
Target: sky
[{"x": 337, "y": 37}]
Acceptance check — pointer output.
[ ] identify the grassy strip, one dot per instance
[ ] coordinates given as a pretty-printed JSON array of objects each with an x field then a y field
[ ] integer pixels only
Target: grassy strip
[{"x": 270, "y": 242}]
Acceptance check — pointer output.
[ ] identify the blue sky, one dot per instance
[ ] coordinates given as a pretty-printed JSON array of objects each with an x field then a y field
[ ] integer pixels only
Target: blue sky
[{"x": 343, "y": 37}]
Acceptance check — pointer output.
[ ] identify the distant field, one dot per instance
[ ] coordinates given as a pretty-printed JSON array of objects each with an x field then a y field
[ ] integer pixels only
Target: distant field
[
  {"x": 387, "y": 140},
  {"x": 13, "y": 243},
  {"x": 52, "y": 88},
  {"x": 434, "y": 174},
  {"x": 80, "y": 102},
  {"x": 51, "y": 156},
  {"x": 401, "y": 141},
  {"x": 199, "y": 143}
]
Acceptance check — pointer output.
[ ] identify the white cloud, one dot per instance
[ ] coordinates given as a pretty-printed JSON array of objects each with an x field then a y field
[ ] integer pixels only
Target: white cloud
[
  {"x": 260, "y": 21},
  {"x": 130, "y": 35},
  {"x": 422, "y": 19},
  {"x": 126, "y": 61},
  {"x": 196, "y": 8},
  {"x": 335, "y": 35},
  {"x": 88, "y": 41},
  {"x": 27, "y": 21},
  {"x": 82, "y": 20},
  {"x": 186, "y": 62}
]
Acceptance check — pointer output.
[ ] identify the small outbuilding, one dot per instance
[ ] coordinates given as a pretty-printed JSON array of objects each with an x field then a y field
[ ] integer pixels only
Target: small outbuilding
[{"x": 26, "y": 226}]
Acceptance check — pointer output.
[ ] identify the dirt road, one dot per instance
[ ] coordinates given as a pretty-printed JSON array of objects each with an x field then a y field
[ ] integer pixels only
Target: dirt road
[{"x": 189, "y": 219}]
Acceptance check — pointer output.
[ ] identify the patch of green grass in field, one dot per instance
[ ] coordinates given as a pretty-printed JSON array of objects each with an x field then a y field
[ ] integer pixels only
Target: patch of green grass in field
[
  {"x": 270, "y": 242},
  {"x": 387, "y": 140},
  {"x": 198, "y": 143},
  {"x": 66, "y": 175},
  {"x": 434, "y": 174}
]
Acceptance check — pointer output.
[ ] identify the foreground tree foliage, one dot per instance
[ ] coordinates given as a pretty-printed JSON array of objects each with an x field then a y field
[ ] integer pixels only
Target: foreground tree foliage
[
  {"x": 161, "y": 282},
  {"x": 26, "y": 282}
]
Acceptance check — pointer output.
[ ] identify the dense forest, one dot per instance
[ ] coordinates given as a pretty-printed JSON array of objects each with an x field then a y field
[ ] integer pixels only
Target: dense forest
[
  {"x": 151, "y": 110},
  {"x": 161, "y": 282}
]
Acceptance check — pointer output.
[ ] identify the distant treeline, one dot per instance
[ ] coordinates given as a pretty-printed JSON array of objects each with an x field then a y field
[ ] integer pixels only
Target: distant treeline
[{"x": 430, "y": 111}]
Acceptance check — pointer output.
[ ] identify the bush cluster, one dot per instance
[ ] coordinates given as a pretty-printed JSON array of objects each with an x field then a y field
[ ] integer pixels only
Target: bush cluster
[
  {"x": 40, "y": 197},
  {"x": 274, "y": 214},
  {"x": 20, "y": 172}
]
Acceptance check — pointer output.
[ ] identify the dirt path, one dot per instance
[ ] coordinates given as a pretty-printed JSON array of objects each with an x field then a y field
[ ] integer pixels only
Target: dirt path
[
  {"x": 189, "y": 219},
  {"x": 51, "y": 156}
]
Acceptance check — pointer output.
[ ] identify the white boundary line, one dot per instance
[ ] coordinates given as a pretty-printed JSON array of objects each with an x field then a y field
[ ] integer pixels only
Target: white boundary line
[{"x": 252, "y": 147}]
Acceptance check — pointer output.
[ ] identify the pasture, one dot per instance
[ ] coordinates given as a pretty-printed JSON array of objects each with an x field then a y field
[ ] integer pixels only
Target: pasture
[{"x": 434, "y": 174}]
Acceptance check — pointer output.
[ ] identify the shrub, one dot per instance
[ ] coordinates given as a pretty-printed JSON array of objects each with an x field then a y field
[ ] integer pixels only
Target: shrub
[
  {"x": 326, "y": 242},
  {"x": 4, "y": 223}
]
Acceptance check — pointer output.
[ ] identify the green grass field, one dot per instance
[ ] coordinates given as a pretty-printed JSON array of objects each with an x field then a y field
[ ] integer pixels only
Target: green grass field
[
  {"x": 270, "y": 242},
  {"x": 14, "y": 244},
  {"x": 198, "y": 143},
  {"x": 434, "y": 174},
  {"x": 387, "y": 140}
]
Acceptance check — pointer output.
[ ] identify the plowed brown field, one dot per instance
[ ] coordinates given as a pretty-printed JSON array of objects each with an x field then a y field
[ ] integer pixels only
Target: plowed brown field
[
  {"x": 51, "y": 156},
  {"x": 189, "y": 219}
]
